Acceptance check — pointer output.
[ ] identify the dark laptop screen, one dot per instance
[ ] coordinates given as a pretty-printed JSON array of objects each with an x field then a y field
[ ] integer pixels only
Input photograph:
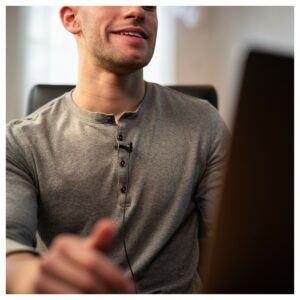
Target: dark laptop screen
[{"x": 252, "y": 249}]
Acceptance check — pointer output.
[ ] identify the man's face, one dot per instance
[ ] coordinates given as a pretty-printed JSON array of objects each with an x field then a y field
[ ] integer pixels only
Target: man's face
[{"x": 120, "y": 39}]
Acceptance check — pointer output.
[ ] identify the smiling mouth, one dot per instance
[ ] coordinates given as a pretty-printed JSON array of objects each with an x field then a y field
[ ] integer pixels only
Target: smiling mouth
[{"x": 135, "y": 34}]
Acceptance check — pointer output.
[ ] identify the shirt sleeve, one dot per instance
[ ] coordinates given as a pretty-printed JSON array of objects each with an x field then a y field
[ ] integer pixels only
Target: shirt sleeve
[
  {"x": 209, "y": 187},
  {"x": 21, "y": 195}
]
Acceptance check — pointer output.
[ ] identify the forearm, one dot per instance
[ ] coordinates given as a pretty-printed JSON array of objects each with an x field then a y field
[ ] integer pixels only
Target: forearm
[{"x": 21, "y": 272}]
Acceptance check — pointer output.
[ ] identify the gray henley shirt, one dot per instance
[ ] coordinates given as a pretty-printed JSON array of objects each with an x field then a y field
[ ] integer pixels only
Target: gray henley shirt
[{"x": 67, "y": 168}]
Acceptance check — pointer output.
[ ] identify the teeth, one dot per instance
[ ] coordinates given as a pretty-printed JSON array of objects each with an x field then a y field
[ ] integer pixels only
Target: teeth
[{"x": 131, "y": 34}]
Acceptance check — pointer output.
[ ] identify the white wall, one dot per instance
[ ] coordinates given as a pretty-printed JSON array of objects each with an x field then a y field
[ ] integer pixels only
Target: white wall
[
  {"x": 213, "y": 52},
  {"x": 39, "y": 50},
  {"x": 15, "y": 75},
  {"x": 162, "y": 68}
]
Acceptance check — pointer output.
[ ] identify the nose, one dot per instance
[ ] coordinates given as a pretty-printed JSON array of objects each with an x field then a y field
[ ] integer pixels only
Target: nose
[{"x": 135, "y": 12}]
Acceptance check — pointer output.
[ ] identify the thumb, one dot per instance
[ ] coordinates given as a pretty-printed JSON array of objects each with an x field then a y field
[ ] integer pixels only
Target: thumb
[{"x": 102, "y": 235}]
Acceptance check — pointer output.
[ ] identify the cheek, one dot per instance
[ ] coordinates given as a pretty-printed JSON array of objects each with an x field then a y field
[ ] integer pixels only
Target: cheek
[
  {"x": 97, "y": 35},
  {"x": 153, "y": 28}
]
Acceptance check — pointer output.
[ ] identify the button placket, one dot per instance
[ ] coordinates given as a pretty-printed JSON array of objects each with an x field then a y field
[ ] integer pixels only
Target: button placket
[{"x": 123, "y": 170}]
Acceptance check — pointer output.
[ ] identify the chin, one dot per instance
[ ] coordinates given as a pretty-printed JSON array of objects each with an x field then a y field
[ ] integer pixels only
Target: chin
[{"x": 128, "y": 66}]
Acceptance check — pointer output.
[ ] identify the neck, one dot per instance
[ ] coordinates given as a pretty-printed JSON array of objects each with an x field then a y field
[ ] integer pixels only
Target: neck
[{"x": 106, "y": 92}]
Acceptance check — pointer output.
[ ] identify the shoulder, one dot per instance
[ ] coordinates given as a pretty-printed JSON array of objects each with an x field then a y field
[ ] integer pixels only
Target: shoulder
[
  {"x": 40, "y": 119},
  {"x": 191, "y": 113},
  {"x": 184, "y": 106},
  {"x": 176, "y": 96},
  {"x": 24, "y": 134}
]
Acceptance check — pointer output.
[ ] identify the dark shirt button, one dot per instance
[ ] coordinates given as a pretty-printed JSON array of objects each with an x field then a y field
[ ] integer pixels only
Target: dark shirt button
[
  {"x": 123, "y": 189},
  {"x": 120, "y": 137},
  {"x": 122, "y": 163}
]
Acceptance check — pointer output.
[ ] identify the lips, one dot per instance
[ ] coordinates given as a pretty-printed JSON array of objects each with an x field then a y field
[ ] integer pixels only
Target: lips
[{"x": 132, "y": 31}]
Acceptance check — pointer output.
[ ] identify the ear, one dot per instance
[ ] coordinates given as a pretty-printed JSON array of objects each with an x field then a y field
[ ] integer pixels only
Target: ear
[{"x": 69, "y": 18}]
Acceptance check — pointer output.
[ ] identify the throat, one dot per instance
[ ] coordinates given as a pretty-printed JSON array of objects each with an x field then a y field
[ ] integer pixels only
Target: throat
[{"x": 110, "y": 94}]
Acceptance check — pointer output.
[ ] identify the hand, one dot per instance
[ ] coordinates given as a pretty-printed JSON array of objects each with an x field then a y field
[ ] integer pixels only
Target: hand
[
  {"x": 79, "y": 265},
  {"x": 76, "y": 265}
]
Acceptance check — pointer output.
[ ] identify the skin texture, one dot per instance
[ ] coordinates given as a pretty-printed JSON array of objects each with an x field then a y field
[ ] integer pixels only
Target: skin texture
[
  {"x": 113, "y": 52},
  {"x": 110, "y": 80}
]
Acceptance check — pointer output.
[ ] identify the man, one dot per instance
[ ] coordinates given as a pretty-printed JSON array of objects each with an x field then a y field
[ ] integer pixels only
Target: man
[{"x": 113, "y": 175}]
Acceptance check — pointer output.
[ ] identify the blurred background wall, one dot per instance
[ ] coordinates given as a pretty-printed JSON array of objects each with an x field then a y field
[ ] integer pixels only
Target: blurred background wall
[{"x": 196, "y": 45}]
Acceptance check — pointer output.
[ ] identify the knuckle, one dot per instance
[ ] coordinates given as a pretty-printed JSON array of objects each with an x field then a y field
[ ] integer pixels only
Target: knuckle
[
  {"x": 47, "y": 261},
  {"x": 60, "y": 241},
  {"x": 44, "y": 265},
  {"x": 91, "y": 262}
]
